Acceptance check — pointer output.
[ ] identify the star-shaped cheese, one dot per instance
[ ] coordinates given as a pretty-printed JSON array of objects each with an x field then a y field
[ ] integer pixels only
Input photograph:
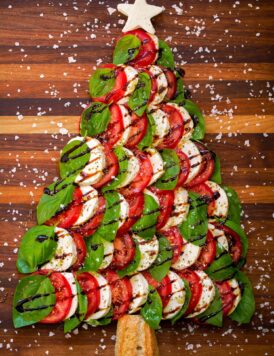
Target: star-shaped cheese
[{"x": 139, "y": 15}]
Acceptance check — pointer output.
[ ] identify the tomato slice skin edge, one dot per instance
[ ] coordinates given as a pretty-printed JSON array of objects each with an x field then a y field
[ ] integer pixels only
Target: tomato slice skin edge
[{"x": 63, "y": 294}]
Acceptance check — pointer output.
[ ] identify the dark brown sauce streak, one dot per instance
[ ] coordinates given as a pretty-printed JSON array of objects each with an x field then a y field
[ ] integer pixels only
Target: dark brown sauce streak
[
  {"x": 20, "y": 304},
  {"x": 42, "y": 238}
]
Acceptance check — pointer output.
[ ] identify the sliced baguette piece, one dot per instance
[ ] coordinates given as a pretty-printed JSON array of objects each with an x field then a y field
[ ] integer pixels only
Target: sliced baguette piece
[{"x": 134, "y": 337}]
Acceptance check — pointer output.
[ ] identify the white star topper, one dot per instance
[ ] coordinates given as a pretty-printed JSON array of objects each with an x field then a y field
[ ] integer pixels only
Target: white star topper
[{"x": 139, "y": 15}]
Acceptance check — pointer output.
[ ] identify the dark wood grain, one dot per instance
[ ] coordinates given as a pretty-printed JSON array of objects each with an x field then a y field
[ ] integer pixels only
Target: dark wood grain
[{"x": 227, "y": 48}]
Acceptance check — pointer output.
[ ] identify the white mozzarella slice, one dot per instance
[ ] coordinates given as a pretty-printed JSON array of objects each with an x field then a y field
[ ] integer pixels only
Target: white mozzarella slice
[
  {"x": 161, "y": 125},
  {"x": 221, "y": 203},
  {"x": 162, "y": 84},
  {"x": 124, "y": 210},
  {"x": 132, "y": 170},
  {"x": 188, "y": 122},
  {"x": 126, "y": 117},
  {"x": 195, "y": 159},
  {"x": 94, "y": 170},
  {"x": 189, "y": 255},
  {"x": 219, "y": 235},
  {"x": 154, "y": 196},
  {"x": 105, "y": 298},
  {"x": 237, "y": 292},
  {"x": 156, "y": 42},
  {"x": 74, "y": 302},
  {"x": 132, "y": 81},
  {"x": 180, "y": 208},
  {"x": 149, "y": 250},
  {"x": 108, "y": 254},
  {"x": 139, "y": 292},
  {"x": 157, "y": 164},
  {"x": 65, "y": 254},
  {"x": 90, "y": 204},
  {"x": 177, "y": 296},
  {"x": 207, "y": 296}
]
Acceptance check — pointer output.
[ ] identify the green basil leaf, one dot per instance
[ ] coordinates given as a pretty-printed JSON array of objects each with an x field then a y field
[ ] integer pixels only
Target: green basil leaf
[
  {"x": 102, "y": 82},
  {"x": 103, "y": 321},
  {"x": 235, "y": 207},
  {"x": 213, "y": 315},
  {"x": 246, "y": 308},
  {"x": 95, "y": 253},
  {"x": 179, "y": 97},
  {"x": 109, "y": 226},
  {"x": 146, "y": 225},
  {"x": 194, "y": 228},
  {"x": 139, "y": 99},
  {"x": 216, "y": 176},
  {"x": 162, "y": 264},
  {"x": 222, "y": 267},
  {"x": 126, "y": 49},
  {"x": 198, "y": 119},
  {"x": 166, "y": 58},
  {"x": 244, "y": 240},
  {"x": 123, "y": 169},
  {"x": 131, "y": 268},
  {"x": 76, "y": 319},
  {"x": 37, "y": 247},
  {"x": 182, "y": 311},
  {"x": 33, "y": 300},
  {"x": 94, "y": 119},
  {"x": 74, "y": 157},
  {"x": 153, "y": 308},
  {"x": 169, "y": 179},
  {"x": 60, "y": 195},
  {"x": 148, "y": 138}
]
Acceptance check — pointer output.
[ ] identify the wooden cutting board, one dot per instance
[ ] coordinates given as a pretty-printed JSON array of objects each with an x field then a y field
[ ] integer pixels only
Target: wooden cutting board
[{"x": 48, "y": 51}]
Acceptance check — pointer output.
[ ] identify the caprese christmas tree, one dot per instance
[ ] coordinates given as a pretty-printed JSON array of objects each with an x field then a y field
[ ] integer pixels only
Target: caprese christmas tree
[{"x": 138, "y": 221}]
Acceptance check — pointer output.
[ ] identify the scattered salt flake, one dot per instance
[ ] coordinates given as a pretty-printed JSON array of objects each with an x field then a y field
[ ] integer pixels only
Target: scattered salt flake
[
  {"x": 63, "y": 131},
  {"x": 51, "y": 334},
  {"x": 247, "y": 143},
  {"x": 111, "y": 10},
  {"x": 71, "y": 59}
]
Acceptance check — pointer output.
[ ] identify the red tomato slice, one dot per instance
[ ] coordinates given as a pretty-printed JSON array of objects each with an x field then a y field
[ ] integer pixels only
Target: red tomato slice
[
  {"x": 207, "y": 194},
  {"x": 148, "y": 51},
  {"x": 164, "y": 287},
  {"x": 118, "y": 91},
  {"x": 184, "y": 168},
  {"x": 90, "y": 287},
  {"x": 111, "y": 170},
  {"x": 136, "y": 206},
  {"x": 234, "y": 241},
  {"x": 115, "y": 127},
  {"x": 81, "y": 250},
  {"x": 70, "y": 214},
  {"x": 124, "y": 251},
  {"x": 208, "y": 252},
  {"x": 172, "y": 83},
  {"x": 166, "y": 199},
  {"x": 121, "y": 291},
  {"x": 207, "y": 167},
  {"x": 175, "y": 239},
  {"x": 92, "y": 225},
  {"x": 141, "y": 181},
  {"x": 176, "y": 122},
  {"x": 138, "y": 130},
  {"x": 63, "y": 295},
  {"x": 227, "y": 296},
  {"x": 195, "y": 286}
]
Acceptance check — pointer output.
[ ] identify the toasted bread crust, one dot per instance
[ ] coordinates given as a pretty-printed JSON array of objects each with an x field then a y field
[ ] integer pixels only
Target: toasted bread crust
[{"x": 134, "y": 337}]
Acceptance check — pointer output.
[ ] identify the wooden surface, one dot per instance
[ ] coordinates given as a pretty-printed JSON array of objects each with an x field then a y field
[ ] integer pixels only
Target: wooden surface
[{"x": 227, "y": 49}]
